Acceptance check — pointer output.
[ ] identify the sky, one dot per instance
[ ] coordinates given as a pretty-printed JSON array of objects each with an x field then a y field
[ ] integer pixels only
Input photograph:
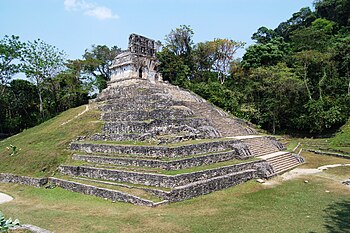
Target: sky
[{"x": 76, "y": 25}]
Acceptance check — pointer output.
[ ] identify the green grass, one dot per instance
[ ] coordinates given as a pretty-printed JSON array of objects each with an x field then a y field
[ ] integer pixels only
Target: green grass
[
  {"x": 43, "y": 148},
  {"x": 250, "y": 207}
]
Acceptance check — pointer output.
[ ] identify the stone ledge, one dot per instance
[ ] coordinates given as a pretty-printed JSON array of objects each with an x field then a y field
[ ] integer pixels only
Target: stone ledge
[
  {"x": 166, "y": 152},
  {"x": 165, "y": 125},
  {"x": 11, "y": 178},
  {"x": 263, "y": 169},
  {"x": 210, "y": 185},
  {"x": 100, "y": 192},
  {"x": 166, "y": 165},
  {"x": 141, "y": 115}
]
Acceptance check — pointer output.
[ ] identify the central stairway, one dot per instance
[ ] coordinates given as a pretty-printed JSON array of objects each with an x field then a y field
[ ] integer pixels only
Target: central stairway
[{"x": 162, "y": 144}]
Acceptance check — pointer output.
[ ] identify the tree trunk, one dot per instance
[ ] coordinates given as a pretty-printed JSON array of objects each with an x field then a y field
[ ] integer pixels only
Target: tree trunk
[
  {"x": 41, "y": 101},
  {"x": 305, "y": 81}
]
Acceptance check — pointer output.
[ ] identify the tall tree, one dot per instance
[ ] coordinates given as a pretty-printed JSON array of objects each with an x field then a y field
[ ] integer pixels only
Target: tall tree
[
  {"x": 180, "y": 41},
  {"x": 224, "y": 51},
  {"x": 41, "y": 63},
  {"x": 97, "y": 61},
  {"x": 10, "y": 54}
]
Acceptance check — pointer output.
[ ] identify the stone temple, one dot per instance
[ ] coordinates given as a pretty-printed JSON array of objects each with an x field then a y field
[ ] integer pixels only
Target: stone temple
[
  {"x": 138, "y": 61},
  {"x": 161, "y": 144}
]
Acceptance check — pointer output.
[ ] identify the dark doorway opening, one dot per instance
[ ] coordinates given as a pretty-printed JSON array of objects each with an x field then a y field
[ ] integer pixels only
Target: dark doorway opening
[{"x": 140, "y": 72}]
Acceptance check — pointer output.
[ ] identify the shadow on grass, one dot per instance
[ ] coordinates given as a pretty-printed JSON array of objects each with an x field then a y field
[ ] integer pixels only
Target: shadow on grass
[{"x": 337, "y": 217}]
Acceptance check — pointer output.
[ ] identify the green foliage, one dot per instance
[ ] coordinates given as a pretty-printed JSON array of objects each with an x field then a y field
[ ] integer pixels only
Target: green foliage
[
  {"x": 315, "y": 48},
  {"x": 217, "y": 94},
  {"x": 10, "y": 52},
  {"x": 19, "y": 106},
  {"x": 334, "y": 10},
  {"x": 266, "y": 54},
  {"x": 53, "y": 87},
  {"x": 96, "y": 63},
  {"x": 42, "y": 62},
  {"x": 6, "y": 224}
]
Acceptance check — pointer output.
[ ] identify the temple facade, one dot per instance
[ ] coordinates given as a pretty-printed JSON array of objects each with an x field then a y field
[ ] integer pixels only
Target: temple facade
[{"x": 139, "y": 61}]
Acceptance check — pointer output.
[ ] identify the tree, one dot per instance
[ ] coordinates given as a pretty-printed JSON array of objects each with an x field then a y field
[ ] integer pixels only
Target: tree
[
  {"x": 10, "y": 54},
  {"x": 179, "y": 41},
  {"x": 224, "y": 51},
  {"x": 97, "y": 61},
  {"x": 304, "y": 38},
  {"x": 264, "y": 35},
  {"x": 301, "y": 19},
  {"x": 266, "y": 54},
  {"x": 277, "y": 93},
  {"x": 18, "y": 107},
  {"x": 335, "y": 10},
  {"x": 42, "y": 62}
]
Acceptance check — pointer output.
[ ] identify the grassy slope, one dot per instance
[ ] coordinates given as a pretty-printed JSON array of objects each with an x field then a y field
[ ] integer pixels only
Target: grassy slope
[
  {"x": 341, "y": 140},
  {"x": 42, "y": 148},
  {"x": 340, "y": 143}
]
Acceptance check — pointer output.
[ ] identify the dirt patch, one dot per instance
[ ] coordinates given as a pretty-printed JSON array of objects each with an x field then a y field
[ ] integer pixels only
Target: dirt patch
[
  {"x": 298, "y": 172},
  {"x": 5, "y": 198}
]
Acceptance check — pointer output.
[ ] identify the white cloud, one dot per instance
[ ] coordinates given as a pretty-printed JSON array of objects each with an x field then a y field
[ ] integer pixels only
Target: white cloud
[{"x": 90, "y": 9}]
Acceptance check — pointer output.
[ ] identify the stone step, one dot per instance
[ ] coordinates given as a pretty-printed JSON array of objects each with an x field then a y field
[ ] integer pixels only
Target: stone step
[
  {"x": 221, "y": 120},
  {"x": 282, "y": 162},
  {"x": 157, "y": 126},
  {"x": 120, "y": 106},
  {"x": 174, "y": 112},
  {"x": 168, "y": 151},
  {"x": 106, "y": 193},
  {"x": 158, "y": 180},
  {"x": 166, "y": 165},
  {"x": 286, "y": 168}
]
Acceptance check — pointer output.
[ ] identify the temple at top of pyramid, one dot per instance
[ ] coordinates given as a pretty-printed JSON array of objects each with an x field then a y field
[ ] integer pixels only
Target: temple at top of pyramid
[{"x": 138, "y": 61}]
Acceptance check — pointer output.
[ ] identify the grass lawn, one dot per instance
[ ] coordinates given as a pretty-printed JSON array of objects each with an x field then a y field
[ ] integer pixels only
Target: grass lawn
[{"x": 321, "y": 205}]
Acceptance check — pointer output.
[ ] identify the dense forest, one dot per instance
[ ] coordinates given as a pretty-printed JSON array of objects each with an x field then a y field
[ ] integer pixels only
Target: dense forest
[{"x": 295, "y": 78}]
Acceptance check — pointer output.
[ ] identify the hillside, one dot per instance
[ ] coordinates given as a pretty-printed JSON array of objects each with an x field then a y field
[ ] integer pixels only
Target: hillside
[{"x": 41, "y": 149}]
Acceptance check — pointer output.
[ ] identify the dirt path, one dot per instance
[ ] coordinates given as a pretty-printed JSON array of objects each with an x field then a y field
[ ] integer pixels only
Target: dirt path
[
  {"x": 297, "y": 172},
  {"x": 86, "y": 109},
  {"x": 5, "y": 198}
]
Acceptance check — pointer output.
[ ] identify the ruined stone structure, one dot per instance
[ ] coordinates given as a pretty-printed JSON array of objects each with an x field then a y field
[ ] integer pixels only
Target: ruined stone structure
[
  {"x": 154, "y": 132},
  {"x": 138, "y": 61}
]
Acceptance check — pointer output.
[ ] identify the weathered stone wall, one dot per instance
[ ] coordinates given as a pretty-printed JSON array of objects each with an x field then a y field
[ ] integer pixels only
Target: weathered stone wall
[
  {"x": 167, "y": 165},
  {"x": 11, "y": 178},
  {"x": 145, "y": 127},
  {"x": 210, "y": 185},
  {"x": 129, "y": 105},
  {"x": 141, "y": 115},
  {"x": 100, "y": 192},
  {"x": 169, "y": 152},
  {"x": 129, "y": 91},
  {"x": 159, "y": 180}
]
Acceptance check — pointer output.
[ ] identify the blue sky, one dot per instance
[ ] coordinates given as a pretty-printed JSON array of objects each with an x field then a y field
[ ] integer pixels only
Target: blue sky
[{"x": 74, "y": 25}]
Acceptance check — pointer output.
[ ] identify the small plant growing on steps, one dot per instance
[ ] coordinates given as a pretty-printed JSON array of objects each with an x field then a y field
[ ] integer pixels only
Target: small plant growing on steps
[
  {"x": 13, "y": 149},
  {"x": 6, "y": 224}
]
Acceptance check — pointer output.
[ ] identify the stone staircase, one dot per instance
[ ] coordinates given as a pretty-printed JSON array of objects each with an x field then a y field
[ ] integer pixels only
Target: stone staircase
[
  {"x": 281, "y": 161},
  {"x": 162, "y": 144}
]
